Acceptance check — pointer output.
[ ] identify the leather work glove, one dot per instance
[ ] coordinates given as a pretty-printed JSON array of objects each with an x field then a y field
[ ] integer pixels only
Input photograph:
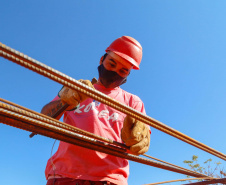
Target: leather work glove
[
  {"x": 136, "y": 135},
  {"x": 73, "y": 97}
]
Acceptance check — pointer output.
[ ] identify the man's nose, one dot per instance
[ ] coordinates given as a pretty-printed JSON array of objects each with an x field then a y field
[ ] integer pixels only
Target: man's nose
[{"x": 115, "y": 70}]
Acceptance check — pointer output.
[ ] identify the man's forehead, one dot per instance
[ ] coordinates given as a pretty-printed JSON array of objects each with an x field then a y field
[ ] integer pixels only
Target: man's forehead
[{"x": 121, "y": 60}]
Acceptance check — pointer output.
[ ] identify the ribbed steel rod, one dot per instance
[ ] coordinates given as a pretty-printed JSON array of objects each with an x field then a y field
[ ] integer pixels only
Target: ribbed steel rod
[
  {"x": 164, "y": 182},
  {"x": 214, "y": 181},
  {"x": 63, "y": 79},
  {"x": 163, "y": 161},
  {"x": 35, "y": 115},
  {"x": 45, "y": 125},
  {"x": 30, "y": 113},
  {"x": 42, "y": 128}
]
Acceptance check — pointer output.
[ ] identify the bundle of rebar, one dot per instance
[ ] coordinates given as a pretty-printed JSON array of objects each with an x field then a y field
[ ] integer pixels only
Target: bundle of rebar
[
  {"x": 213, "y": 181},
  {"x": 180, "y": 180},
  {"x": 23, "y": 118},
  {"x": 40, "y": 68}
]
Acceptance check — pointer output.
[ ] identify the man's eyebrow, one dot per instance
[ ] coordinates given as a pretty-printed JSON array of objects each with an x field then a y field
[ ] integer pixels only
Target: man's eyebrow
[
  {"x": 116, "y": 63},
  {"x": 125, "y": 69},
  {"x": 112, "y": 60}
]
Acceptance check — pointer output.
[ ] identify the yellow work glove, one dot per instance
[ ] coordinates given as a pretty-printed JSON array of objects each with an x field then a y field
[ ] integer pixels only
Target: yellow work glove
[
  {"x": 73, "y": 97},
  {"x": 136, "y": 135}
]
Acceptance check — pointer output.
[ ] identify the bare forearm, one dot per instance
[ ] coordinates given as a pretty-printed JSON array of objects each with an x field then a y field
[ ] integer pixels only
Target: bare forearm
[{"x": 51, "y": 108}]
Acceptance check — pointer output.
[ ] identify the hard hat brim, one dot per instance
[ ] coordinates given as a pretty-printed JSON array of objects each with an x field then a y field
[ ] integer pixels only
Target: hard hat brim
[{"x": 127, "y": 58}]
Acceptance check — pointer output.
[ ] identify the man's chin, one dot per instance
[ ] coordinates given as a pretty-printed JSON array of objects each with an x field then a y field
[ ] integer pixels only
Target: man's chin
[{"x": 110, "y": 85}]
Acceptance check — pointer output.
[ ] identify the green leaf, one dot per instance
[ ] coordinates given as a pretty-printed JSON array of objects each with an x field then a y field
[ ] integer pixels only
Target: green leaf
[
  {"x": 195, "y": 157},
  {"x": 187, "y": 161}
]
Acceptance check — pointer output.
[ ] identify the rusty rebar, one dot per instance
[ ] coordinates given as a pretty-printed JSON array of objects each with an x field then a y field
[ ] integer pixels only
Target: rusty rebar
[
  {"x": 59, "y": 77},
  {"x": 35, "y": 115},
  {"x": 29, "y": 124},
  {"x": 63, "y": 79},
  {"x": 55, "y": 115},
  {"x": 164, "y": 182},
  {"x": 25, "y": 111},
  {"x": 162, "y": 161},
  {"x": 46, "y": 126},
  {"x": 214, "y": 181},
  {"x": 38, "y": 116}
]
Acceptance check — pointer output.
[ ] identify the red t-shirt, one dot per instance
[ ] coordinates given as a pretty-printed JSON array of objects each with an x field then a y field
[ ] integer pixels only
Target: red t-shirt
[{"x": 80, "y": 163}]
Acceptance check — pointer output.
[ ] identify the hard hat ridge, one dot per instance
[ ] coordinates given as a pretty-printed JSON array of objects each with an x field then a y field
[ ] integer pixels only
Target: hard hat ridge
[{"x": 127, "y": 48}]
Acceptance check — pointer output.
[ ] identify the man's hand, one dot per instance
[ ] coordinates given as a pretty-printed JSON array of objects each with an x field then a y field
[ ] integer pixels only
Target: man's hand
[
  {"x": 136, "y": 135},
  {"x": 73, "y": 97}
]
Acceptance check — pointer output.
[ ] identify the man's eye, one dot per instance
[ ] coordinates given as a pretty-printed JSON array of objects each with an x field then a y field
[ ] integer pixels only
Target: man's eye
[
  {"x": 123, "y": 72},
  {"x": 112, "y": 65}
]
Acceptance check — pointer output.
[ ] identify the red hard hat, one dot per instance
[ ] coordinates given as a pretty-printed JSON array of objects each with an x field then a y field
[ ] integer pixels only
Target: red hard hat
[{"x": 127, "y": 48}]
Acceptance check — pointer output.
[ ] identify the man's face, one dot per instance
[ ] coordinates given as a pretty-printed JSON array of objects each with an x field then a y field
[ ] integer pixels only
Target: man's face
[
  {"x": 116, "y": 63},
  {"x": 113, "y": 70}
]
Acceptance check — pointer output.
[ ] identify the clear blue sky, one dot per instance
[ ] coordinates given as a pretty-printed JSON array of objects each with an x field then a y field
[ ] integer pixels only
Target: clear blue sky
[{"x": 181, "y": 80}]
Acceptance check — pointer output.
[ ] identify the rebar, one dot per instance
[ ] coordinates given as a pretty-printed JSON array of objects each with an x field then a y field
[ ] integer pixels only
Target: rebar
[
  {"x": 10, "y": 106},
  {"x": 40, "y": 68},
  {"x": 40, "y": 127},
  {"x": 38, "y": 116},
  {"x": 214, "y": 181},
  {"x": 164, "y": 182}
]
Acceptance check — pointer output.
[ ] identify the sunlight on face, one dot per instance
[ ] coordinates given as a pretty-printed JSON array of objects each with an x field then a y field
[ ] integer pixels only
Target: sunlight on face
[{"x": 116, "y": 63}]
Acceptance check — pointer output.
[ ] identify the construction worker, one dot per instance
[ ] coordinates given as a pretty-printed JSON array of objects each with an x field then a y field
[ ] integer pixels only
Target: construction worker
[{"x": 76, "y": 165}]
